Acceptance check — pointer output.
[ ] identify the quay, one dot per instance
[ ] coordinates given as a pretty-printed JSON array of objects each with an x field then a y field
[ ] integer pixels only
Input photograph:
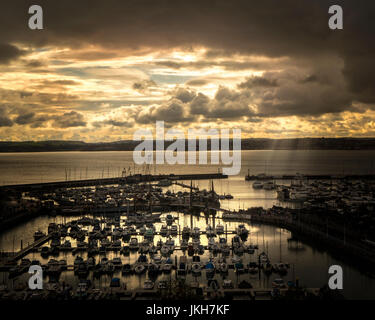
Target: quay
[
  {"x": 310, "y": 177},
  {"x": 138, "y": 178},
  {"x": 32, "y": 247}
]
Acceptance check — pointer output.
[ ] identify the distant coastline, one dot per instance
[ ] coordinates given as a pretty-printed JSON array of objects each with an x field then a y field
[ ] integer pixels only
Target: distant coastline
[{"x": 246, "y": 144}]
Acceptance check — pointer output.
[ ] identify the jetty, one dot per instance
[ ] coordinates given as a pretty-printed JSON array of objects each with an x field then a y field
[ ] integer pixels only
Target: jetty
[{"x": 137, "y": 178}]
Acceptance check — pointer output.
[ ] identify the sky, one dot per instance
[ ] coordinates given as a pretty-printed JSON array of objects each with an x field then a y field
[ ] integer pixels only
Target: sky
[{"x": 99, "y": 70}]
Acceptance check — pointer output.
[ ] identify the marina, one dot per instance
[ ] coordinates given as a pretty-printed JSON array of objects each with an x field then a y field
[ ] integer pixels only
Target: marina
[{"x": 164, "y": 238}]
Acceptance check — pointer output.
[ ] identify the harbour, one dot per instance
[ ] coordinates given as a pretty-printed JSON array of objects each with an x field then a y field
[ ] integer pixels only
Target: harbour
[{"x": 162, "y": 237}]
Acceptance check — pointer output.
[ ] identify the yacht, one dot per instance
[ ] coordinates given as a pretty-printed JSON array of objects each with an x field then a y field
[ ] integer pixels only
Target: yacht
[
  {"x": 186, "y": 232},
  {"x": 196, "y": 233},
  {"x": 163, "y": 231},
  {"x": 133, "y": 244},
  {"x": 210, "y": 232},
  {"x": 174, "y": 230},
  {"x": 219, "y": 229},
  {"x": 241, "y": 230}
]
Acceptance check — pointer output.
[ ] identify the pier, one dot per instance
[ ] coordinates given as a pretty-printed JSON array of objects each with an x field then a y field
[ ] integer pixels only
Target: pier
[
  {"x": 138, "y": 178},
  {"x": 310, "y": 177}
]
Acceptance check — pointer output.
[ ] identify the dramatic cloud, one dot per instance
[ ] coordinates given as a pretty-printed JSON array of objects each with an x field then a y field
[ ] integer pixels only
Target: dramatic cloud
[
  {"x": 9, "y": 52},
  {"x": 70, "y": 119},
  {"x": 104, "y": 67}
]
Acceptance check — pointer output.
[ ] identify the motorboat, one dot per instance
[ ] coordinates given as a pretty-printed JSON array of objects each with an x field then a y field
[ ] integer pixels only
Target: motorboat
[
  {"x": 228, "y": 284},
  {"x": 139, "y": 268},
  {"x": 219, "y": 229},
  {"x": 257, "y": 185},
  {"x": 278, "y": 283},
  {"x": 148, "y": 285}
]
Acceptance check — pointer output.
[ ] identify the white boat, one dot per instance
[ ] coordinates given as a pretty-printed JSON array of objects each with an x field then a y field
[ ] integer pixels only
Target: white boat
[
  {"x": 139, "y": 268},
  {"x": 196, "y": 269},
  {"x": 257, "y": 185},
  {"x": 148, "y": 285},
  {"x": 227, "y": 284}
]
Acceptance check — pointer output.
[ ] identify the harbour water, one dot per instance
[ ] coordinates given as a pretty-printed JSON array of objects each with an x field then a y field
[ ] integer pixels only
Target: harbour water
[{"x": 307, "y": 263}]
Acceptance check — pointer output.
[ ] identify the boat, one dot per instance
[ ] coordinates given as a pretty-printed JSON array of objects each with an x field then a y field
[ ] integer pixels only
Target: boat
[
  {"x": 163, "y": 231},
  {"x": 164, "y": 183},
  {"x": 117, "y": 262},
  {"x": 167, "y": 266},
  {"x": 165, "y": 250},
  {"x": 196, "y": 233},
  {"x": 66, "y": 245},
  {"x": 90, "y": 263},
  {"x": 159, "y": 244},
  {"x": 196, "y": 269},
  {"x": 133, "y": 244},
  {"x": 153, "y": 270},
  {"x": 280, "y": 268},
  {"x": 174, "y": 230},
  {"x": 142, "y": 230},
  {"x": 148, "y": 285},
  {"x": 253, "y": 267},
  {"x": 257, "y": 185},
  {"x": 149, "y": 234},
  {"x": 239, "y": 249},
  {"x": 184, "y": 245},
  {"x": 278, "y": 283},
  {"x": 210, "y": 232},
  {"x": 169, "y": 219},
  {"x": 186, "y": 232},
  {"x": 126, "y": 269},
  {"x": 241, "y": 230},
  {"x": 210, "y": 270},
  {"x": 269, "y": 185},
  {"x": 163, "y": 284},
  {"x": 125, "y": 250},
  {"x": 223, "y": 268},
  {"x": 228, "y": 284},
  {"x": 219, "y": 229},
  {"x": 267, "y": 268},
  {"x": 239, "y": 268},
  {"x": 38, "y": 235},
  {"x": 139, "y": 268}
]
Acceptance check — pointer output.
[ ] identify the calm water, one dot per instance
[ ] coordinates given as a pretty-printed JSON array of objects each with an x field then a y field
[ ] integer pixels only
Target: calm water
[{"x": 307, "y": 263}]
